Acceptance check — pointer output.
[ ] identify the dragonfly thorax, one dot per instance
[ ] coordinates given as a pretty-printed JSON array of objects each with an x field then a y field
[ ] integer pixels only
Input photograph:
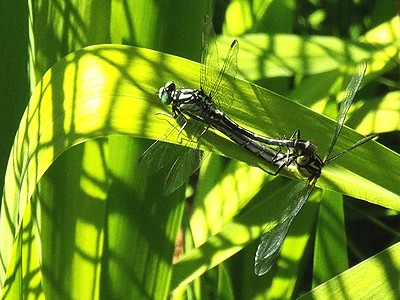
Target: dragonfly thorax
[
  {"x": 188, "y": 101},
  {"x": 307, "y": 159}
]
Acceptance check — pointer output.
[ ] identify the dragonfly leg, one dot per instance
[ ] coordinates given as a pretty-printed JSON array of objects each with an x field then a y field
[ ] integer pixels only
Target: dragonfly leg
[
  {"x": 165, "y": 114},
  {"x": 268, "y": 172},
  {"x": 183, "y": 126},
  {"x": 175, "y": 116},
  {"x": 289, "y": 158},
  {"x": 288, "y": 162},
  {"x": 295, "y": 135},
  {"x": 204, "y": 131}
]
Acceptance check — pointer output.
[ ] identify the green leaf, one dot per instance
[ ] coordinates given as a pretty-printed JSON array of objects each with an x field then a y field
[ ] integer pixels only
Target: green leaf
[
  {"x": 108, "y": 90},
  {"x": 330, "y": 255},
  {"x": 363, "y": 281}
]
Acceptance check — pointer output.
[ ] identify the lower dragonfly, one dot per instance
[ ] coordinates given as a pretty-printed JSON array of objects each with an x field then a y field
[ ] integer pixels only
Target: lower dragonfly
[
  {"x": 304, "y": 154},
  {"x": 202, "y": 106}
]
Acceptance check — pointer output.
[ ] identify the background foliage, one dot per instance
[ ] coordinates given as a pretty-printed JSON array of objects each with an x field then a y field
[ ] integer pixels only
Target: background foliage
[{"x": 95, "y": 226}]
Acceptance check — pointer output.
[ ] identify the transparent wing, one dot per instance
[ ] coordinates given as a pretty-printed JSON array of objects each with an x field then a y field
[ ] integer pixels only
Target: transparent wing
[
  {"x": 158, "y": 155},
  {"x": 184, "y": 161},
  {"x": 185, "y": 165},
  {"x": 213, "y": 79},
  {"x": 349, "y": 94},
  {"x": 181, "y": 161},
  {"x": 274, "y": 234},
  {"x": 209, "y": 56},
  {"x": 221, "y": 96}
]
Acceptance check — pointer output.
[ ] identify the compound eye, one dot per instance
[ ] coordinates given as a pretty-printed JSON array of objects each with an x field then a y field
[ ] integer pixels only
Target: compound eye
[
  {"x": 165, "y": 92},
  {"x": 164, "y": 96},
  {"x": 311, "y": 149},
  {"x": 170, "y": 86}
]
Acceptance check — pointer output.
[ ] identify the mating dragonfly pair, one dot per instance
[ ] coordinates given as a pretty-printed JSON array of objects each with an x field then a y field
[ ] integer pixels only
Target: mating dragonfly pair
[{"x": 204, "y": 107}]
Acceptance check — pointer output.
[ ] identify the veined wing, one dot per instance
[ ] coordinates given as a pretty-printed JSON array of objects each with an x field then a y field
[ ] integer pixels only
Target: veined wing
[
  {"x": 274, "y": 234},
  {"x": 222, "y": 97},
  {"x": 181, "y": 161},
  {"x": 188, "y": 161},
  {"x": 349, "y": 94},
  {"x": 212, "y": 78},
  {"x": 209, "y": 56}
]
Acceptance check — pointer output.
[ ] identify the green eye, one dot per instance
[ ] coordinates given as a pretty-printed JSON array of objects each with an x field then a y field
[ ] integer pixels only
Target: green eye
[{"x": 165, "y": 98}]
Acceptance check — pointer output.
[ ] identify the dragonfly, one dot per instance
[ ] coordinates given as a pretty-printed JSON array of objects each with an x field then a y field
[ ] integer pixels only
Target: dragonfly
[
  {"x": 303, "y": 154},
  {"x": 204, "y": 107}
]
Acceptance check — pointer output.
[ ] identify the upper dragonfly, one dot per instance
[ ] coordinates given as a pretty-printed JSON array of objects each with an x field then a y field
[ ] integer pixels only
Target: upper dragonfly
[
  {"x": 204, "y": 106},
  {"x": 304, "y": 154}
]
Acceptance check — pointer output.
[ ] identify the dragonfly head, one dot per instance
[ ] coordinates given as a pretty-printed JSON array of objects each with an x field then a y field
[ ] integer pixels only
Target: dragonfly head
[
  {"x": 307, "y": 159},
  {"x": 165, "y": 92}
]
